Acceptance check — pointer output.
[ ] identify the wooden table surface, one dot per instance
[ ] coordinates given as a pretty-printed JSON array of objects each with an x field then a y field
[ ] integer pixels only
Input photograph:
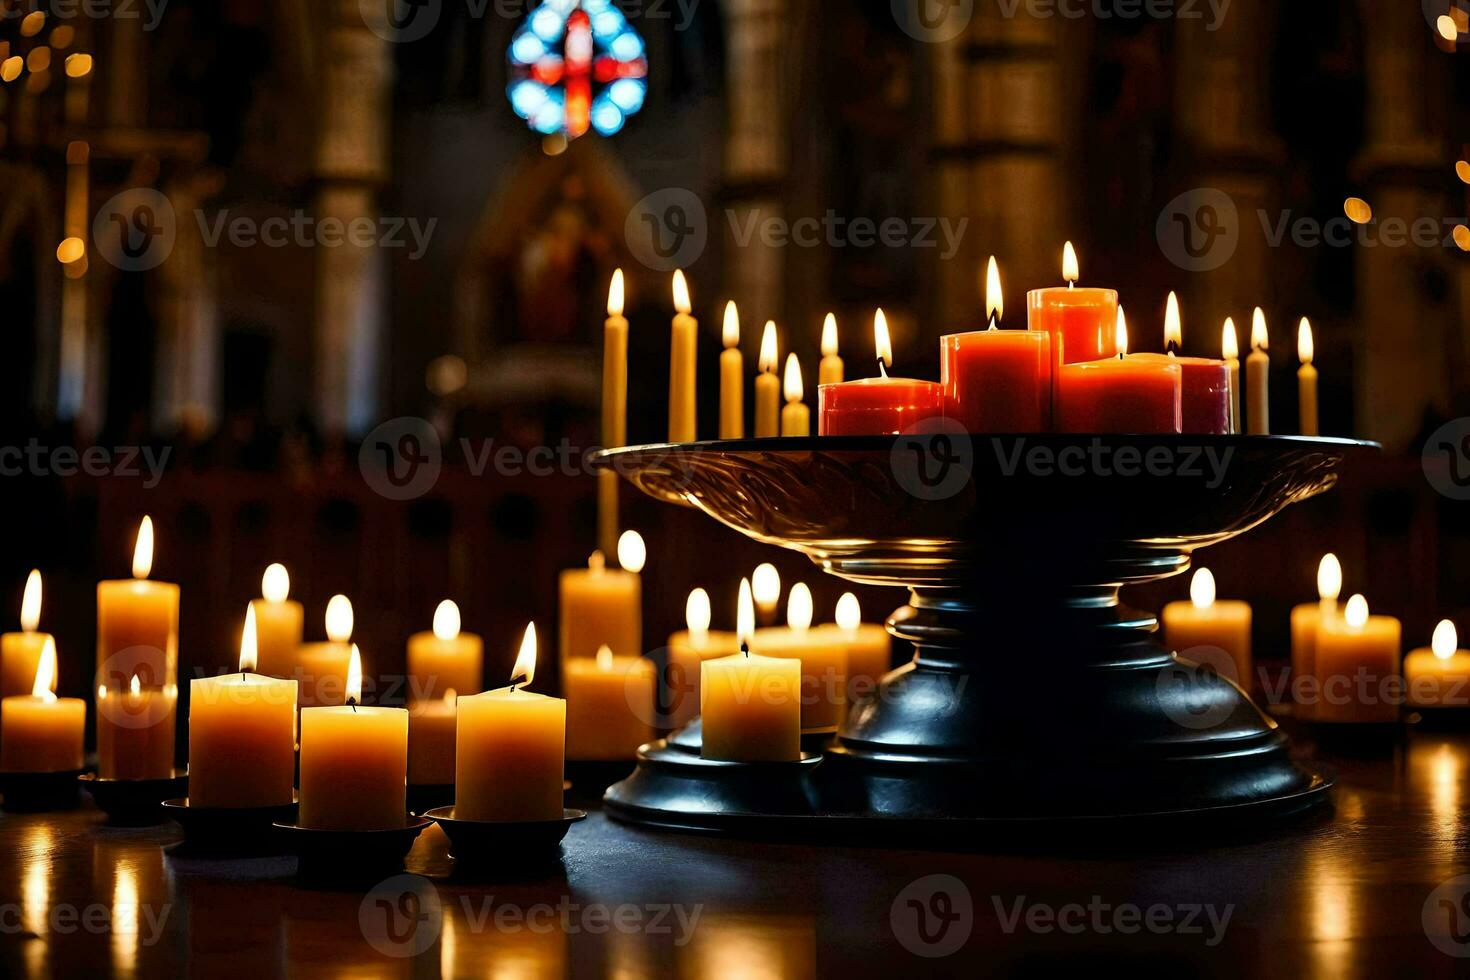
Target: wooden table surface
[{"x": 1341, "y": 895}]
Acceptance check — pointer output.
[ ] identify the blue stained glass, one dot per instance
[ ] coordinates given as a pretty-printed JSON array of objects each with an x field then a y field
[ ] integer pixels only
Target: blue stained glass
[{"x": 628, "y": 94}]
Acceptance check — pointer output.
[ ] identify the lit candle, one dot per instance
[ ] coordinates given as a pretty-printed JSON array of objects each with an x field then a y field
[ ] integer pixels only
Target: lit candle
[
  {"x": 796, "y": 418},
  {"x": 21, "y": 652},
  {"x": 767, "y": 387},
  {"x": 823, "y": 659},
  {"x": 601, "y": 605},
  {"x": 431, "y": 737},
  {"x": 614, "y": 406},
  {"x": 997, "y": 380},
  {"x": 1258, "y": 378},
  {"x": 40, "y": 732},
  {"x": 1306, "y": 619},
  {"x": 732, "y": 378},
  {"x": 1080, "y": 321},
  {"x": 242, "y": 734},
  {"x": 878, "y": 406},
  {"x": 683, "y": 359},
  {"x": 1230, "y": 351},
  {"x": 278, "y": 622},
  {"x": 829, "y": 372},
  {"x": 688, "y": 649},
  {"x": 1439, "y": 677},
  {"x": 1306, "y": 380},
  {"x": 1120, "y": 394},
  {"x": 765, "y": 584},
  {"x": 135, "y": 730},
  {"x": 445, "y": 657},
  {"x": 322, "y": 667},
  {"x": 1204, "y": 383},
  {"x": 1357, "y": 662},
  {"x": 354, "y": 762},
  {"x": 1198, "y": 628},
  {"x": 511, "y": 749},
  {"x": 750, "y": 705},
  {"x": 610, "y": 705},
  {"x": 869, "y": 647}
]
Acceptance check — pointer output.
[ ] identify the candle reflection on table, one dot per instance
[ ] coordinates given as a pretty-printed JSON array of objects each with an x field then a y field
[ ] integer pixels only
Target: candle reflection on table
[{"x": 752, "y": 947}]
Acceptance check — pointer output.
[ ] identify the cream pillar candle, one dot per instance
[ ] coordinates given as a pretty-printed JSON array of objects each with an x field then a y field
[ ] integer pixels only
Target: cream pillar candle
[
  {"x": 278, "y": 621},
  {"x": 138, "y": 625},
  {"x": 1357, "y": 665},
  {"x": 732, "y": 378},
  {"x": 1439, "y": 676},
  {"x": 242, "y": 734},
  {"x": 40, "y": 732},
  {"x": 322, "y": 667},
  {"x": 688, "y": 650},
  {"x": 750, "y": 704},
  {"x": 830, "y": 371},
  {"x": 683, "y": 361},
  {"x": 135, "y": 730},
  {"x": 768, "y": 387},
  {"x": 431, "y": 737},
  {"x": 1306, "y": 620},
  {"x": 869, "y": 647},
  {"x": 445, "y": 657},
  {"x": 354, "y": 762},
  {"x": 610, "y": 706},
  {"x": 600, "y": 605},
  {"x": 1258, "y": 378},
  {"x": 1306, "y": 380},
  {"x": 823, "y": 659},
  {"x": 511, "y": 750},
  {"x": 1203, "y": 627},
  {"x": 20, "y": 653},
  {"x": 1230, "y": 351},
  {"x": 796, "y": 418}
]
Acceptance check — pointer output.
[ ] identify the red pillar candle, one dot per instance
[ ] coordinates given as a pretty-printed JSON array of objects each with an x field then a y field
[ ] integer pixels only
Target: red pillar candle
[
  {"x": 1080, "y": 321},
  {"x": 877, "y": 406},
  {"x": 1119, "y": 394},
  {"x": 997, "y": 380},
  {"x": 1205, "y": 388}
]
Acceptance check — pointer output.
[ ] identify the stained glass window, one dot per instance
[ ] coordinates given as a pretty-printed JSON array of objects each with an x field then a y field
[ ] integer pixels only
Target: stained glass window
[{"x": 577, "y": 65}]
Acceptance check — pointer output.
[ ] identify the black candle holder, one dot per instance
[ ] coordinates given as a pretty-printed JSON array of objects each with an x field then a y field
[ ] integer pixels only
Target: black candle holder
[
  {"x": 229, "y": 831},
  {"x": 350, "y": 855},
  {"x": 134, "y": 802},
  {"x": 1034, "y": 694},
  {"x": 480, "y": 844},
  {"x": 39, "y": 792}
]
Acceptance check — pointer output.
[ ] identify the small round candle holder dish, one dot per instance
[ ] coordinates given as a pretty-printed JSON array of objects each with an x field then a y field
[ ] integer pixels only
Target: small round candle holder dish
[
  {"x": 134, "y": 802},
  {"x": 229, "y": 831},
  {"x": 429, "y": 796},
  {"x": 1034, "y": 693},
  {"x": 39, "y": 792},
  {"x": 484, "y": 844},
  {"x": 350, "y": 854}
]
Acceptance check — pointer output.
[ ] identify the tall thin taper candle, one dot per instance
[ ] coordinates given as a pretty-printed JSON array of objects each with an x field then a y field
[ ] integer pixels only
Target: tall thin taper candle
[
  {"x": 830, "y": 371},
  {"x": 1306, "y": 380},
  {"x": 768, "y": 387},
  {"x": 732, "y": 378},
  {"x": 796, "y": 418},
  {"x": 1230, "y": 351},
  {"x": 683, "y": 357},
  {"x": 1258, "y": 378},
  {"x": 614, "y": 407}
]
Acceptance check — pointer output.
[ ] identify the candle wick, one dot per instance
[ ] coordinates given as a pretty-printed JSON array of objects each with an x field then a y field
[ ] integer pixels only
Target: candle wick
[
  {"x": 1071, "y": 283},
  {"x": 992, "y": 322},
  {"x": 745, "y": 648},
  {"x": 1173, "y": 347},
  {"x": 352, "y": 703},
  {"x": 883, "y": 369}
]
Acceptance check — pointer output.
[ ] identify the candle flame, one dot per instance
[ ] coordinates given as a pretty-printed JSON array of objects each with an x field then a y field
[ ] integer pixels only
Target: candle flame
[
  {"x": 1260, "y": 340},
  {"x": 1305, "y": 349},
  {"x": 1121, "y": 333},
  {"x": 339, "y": 619},
  {"x": 1069, "y": 264},
  {"x": 446, "y": 620},
  {"x": 732, "y": 325},
  {"x": 248, "y": 647},
  {"x": 995, "y": 305},
  {"x": 1446, "y": 640},
  {"x": 768, "y": 357},
  {"x": 745, "y": 615},
  {"x": 799, "y": 608},
  {"x": 697, "y": 613},
  {"x": 766, "y": 585},
  {"x": 632, "y": 552},
  {"x": 30, "y": 602},
  {"x": 1229, "y": 341},
  {"x": 597, "y": 561},
  {"x": 1356, "y": 613},
  {"x": 849, "y": 612},
  {"x": 1202, "y": 589},
  {"x": 46, "y": 672},
  {"x": 616, "y": 294},
  {"x": 354, "y": 676},
  {"x": 681, "y": 293},
  {"x": 135, "y": 687},
  {"x": 1447, "y": 28},
  {"x": 1173, "y": 326},
  {"x": 275, "y": 584},
  {"x": 794, "y": 389},
  {"x": 1329, "y": 578},
  {"x": 604, "y": 658},
  {"x": 829, "y": 336},
  {"x": 524, "y": 672},
  {"x": 882, "y": 342},
  {"x": 143, "y": 550}
]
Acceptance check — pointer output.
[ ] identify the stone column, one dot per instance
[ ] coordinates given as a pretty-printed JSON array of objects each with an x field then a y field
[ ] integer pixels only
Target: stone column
[{"x": 188, "y": 355}]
